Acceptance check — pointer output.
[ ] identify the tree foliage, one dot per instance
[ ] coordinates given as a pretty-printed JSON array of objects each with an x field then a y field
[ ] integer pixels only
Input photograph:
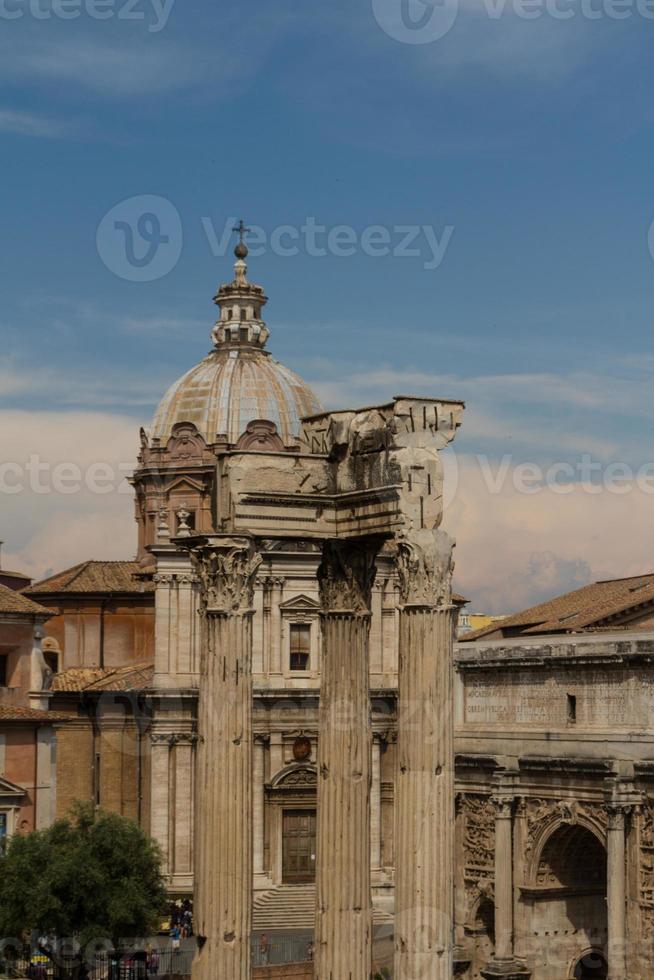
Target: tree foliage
[{"x": 94, "y": 876}]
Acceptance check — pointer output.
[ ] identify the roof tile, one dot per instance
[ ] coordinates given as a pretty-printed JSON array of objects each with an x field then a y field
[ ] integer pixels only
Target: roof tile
[{"x": 93, "y": 577}]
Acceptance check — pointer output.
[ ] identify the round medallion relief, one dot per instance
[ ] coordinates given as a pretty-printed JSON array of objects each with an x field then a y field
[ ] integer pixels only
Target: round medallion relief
[{"x": 301, "y": 748}]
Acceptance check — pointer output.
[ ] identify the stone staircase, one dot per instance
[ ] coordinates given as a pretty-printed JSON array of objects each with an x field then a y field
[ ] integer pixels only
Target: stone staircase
[{"x": 293, "y": 907}]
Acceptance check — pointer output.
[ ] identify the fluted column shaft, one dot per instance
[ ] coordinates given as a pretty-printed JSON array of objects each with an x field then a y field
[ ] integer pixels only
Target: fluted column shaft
[
  {"x": 424, "y": 794},
  {"x": 343, "y": 901},
  {"x": 223, "y": 855},
  {"x": 616, "y": 893}
]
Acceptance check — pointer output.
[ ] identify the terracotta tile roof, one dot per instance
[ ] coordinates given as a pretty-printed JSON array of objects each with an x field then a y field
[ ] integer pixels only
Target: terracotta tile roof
[
  {"x": 133, "y": 677},
  {"x": 11, "y": 713},
  {"x": 459, "y": 600},
  {"x": 589, "y": 608},
  {"x": 93, "y": 577},
  {"x": 17, "y": 604}
]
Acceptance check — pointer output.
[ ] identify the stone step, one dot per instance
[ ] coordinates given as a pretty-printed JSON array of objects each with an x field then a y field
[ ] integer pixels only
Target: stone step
[{"x": 293, "y": 907}]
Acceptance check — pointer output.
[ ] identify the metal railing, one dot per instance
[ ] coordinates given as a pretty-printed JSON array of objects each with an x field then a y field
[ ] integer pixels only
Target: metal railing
[
  {"x": 34, "y": 965},
  {"x": 287, "y": 949}
]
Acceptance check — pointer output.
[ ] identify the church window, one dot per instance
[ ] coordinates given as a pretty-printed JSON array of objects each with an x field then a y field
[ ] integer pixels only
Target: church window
[
  {"x": 3, "y": 833},
  {"x": 229, "y": 314},
  {"x": 243, "y": 315},
  {"x": 300, "y": 646},
  {"x": 52, "y": 660},
  {"x": 3, "y": 669}
]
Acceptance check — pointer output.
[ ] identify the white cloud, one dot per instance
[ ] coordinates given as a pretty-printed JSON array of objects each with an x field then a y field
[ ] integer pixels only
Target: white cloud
[
  {"x": 29, "y": 124},
  {"x": 44, "y": 528},
  {"x": 515, "y": 549},
  {"x": 114, "y": 387}
]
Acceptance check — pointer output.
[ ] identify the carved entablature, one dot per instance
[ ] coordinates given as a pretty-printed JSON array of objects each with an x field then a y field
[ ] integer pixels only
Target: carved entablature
[
  {"x": 174, "y": 738},
  {"x": 227, "y": 569},
  {"x": 545, "y": 816},
  {"x": 346, "y": 575},
  {"x": 175, "y": 578}
]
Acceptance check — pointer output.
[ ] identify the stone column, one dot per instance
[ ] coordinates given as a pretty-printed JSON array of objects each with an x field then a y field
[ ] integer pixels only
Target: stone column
[
  {"x": 259, "y": 801},
  {"x": 375, "y": 805},
  {"x": 504, "y": 963},
  {"x": 424, "y": 781},
  {"x": 343, "y": 900},
  {"x": 223, "y": 854},
  {"x": 616, "y": 891}
]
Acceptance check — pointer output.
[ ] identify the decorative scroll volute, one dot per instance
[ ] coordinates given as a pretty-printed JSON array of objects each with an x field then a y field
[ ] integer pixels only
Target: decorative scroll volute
[
  {"x": 424, "y": 565},
  {"x": 227, "y": 570},
  {"x": 346, "y": 575}
]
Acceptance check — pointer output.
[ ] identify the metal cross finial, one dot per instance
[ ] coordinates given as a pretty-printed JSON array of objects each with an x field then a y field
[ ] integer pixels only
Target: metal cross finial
[{"x": 241, "y": 230}]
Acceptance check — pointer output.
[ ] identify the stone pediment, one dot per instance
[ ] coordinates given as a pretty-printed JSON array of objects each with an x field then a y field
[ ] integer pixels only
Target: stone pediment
[
  {"x": 295, "y": 776},
  {"x": 185, "y": 484},
  {"x": 300, "y": 602},
  {"x": 10, "y": 791}
]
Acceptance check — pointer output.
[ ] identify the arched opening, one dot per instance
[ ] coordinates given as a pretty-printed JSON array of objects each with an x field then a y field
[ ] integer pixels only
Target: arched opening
[
  {"x": 485, "y": 920},
  {"x": 591, "y": 966},
  {"x": 573, "y": 857},
  {"x": 568, "y": 902}
]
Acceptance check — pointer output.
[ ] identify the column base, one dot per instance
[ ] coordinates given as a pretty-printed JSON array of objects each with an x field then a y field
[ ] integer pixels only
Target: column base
[{"x": 506, "y": 970}]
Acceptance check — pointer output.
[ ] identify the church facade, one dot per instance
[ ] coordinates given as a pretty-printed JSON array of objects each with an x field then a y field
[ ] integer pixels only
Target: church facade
[{"x": 553, "y": 802}]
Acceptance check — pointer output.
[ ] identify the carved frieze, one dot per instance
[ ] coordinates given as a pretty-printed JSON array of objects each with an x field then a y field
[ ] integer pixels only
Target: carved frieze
[
  {"x": 646, "y": 869},
  {"x": 479, "y": 813},
  {"x": 226, "y": 568},
  {"x": 346, "y": 575},
  {"x": 543, "y": 816}
]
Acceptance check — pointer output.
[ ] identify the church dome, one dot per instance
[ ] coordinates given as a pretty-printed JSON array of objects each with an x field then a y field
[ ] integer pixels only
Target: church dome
[{"x": 239, "y": 381}]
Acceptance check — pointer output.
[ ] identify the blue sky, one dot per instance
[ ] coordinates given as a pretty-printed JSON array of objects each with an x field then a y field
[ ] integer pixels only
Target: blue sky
[{"x": 530, "y": 140}]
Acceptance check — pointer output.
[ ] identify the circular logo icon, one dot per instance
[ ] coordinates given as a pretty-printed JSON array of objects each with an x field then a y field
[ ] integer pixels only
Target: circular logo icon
[
  {"x": 141, "y": 238},
  {"x": 416, "y": 21},
  {"x": 650, "y": 239}
]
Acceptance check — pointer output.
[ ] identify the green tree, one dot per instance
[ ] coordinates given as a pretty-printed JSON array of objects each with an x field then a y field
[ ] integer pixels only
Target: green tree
[{"x": 95, "y": 876}]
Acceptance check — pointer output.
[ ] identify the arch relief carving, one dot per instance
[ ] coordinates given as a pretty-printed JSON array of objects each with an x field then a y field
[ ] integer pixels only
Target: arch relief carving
[{"x": 545, "y": 817}]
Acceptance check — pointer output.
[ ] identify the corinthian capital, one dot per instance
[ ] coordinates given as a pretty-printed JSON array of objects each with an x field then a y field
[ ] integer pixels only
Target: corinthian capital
[
  {"x": 424, "y": 565},
  {"x": 227, "y": 569},
  {"x": 347, "y": 574}
]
